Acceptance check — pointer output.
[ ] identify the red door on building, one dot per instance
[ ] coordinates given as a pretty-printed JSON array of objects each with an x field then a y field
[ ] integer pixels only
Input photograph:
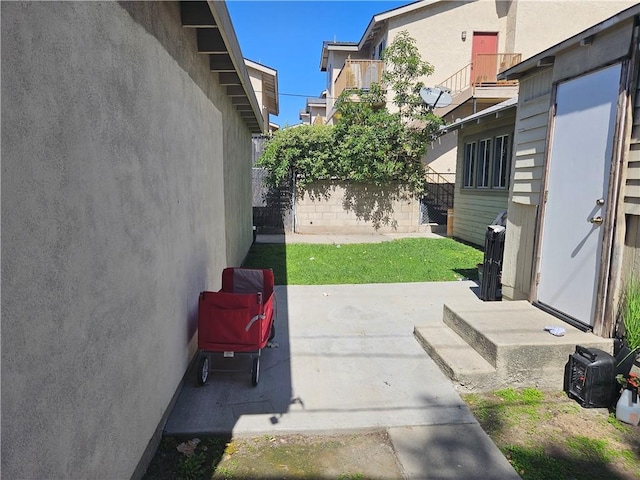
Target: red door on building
[{"x": 483, "y": 57}]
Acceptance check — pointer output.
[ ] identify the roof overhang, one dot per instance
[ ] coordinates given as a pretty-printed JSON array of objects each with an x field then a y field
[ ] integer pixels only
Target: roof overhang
[
  {"x": 496, "y": 111},
  {"x": 546, "y": 58},
  {"x": 335, "y": 46},
  {"x": 376, "y": 24},
  {"x": 217, "y": 39},
  {"x": 316, "y": 102},
  {"x": 394, "y": 12},
  {"x": 269, "y": 84},
  {"x": 379, "y": 20}
]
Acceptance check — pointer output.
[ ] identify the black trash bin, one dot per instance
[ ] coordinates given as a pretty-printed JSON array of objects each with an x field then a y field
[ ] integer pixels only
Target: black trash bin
[{"x": 491, "y": 285}]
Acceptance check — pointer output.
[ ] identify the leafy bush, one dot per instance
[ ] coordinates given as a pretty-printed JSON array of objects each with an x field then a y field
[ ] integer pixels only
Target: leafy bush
[
  {"x": 392, "y": 153},
  {"x": 368, "y": 144},
  {"x": 306, "y": 151}
]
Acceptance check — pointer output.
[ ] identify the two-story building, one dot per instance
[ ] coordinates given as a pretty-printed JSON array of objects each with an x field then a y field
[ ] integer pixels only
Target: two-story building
[
  {"x": 468, "y": 44},
  {"x": 315, "y": 111}
]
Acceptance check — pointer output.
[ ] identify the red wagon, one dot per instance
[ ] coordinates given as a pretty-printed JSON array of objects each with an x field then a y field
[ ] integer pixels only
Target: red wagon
[{"x": 238, "y": 319}]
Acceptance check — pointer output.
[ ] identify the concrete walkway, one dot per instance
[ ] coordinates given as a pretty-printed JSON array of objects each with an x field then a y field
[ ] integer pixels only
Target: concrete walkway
[
  {"x": 341, "y": 239},
  {"x": 347, "y": 360}
]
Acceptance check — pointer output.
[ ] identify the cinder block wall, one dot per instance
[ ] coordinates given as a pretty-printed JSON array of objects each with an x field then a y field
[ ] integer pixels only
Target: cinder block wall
[
  {"x": 338, "y": 208},
  {"x": 125, "y": 191}
]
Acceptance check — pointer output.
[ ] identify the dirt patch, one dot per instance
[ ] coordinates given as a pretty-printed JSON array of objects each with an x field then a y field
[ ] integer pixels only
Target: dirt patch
[
  {"x": 367, "y": 455},
  {"x": 356, "y": 456}
]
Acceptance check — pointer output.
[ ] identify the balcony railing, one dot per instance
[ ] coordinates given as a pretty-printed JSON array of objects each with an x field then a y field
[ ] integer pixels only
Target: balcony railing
[
  {"x": 482, "y": 72},
  {"x": 358, "y": 74}
]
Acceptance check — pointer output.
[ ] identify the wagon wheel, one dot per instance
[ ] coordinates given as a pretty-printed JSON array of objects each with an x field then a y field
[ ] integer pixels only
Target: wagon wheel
[
  {"x": 203, "y": 370},
  {"x": 255, "y": 371}
]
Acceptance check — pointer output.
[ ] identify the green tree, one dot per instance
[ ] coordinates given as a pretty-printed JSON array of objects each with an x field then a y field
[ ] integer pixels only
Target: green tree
[
  {"x": 368, "y": 144},
  {"x": 380, "y": 147},
  {"x": 404, "y": 69}
]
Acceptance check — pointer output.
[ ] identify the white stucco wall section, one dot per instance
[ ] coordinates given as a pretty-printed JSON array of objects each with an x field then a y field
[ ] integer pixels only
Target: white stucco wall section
[
  {"x": 437, "y": 31},
  {"x": 113, "y": 220},
  {"x": 562, "y": 19}
]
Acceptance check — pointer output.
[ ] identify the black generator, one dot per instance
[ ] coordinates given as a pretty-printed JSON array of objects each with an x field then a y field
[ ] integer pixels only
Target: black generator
[{"x": 589, "y": 377}]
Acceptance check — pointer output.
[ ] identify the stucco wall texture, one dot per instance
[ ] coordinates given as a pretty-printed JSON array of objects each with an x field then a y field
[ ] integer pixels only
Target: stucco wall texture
[{"x": 123, "y": 196}]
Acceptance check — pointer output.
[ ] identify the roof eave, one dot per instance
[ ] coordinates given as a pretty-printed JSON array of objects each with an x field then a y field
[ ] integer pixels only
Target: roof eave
[
  {"x": 225, "y": 27},
  {"x": 484, "y": 115},
  {"x": 326, "y": 46},
  {"x": 395, "y": 12}
]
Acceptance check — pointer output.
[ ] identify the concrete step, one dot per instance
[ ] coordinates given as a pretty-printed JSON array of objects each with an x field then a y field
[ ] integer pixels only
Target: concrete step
[
  {"x": 455, "y": 357},
  {"x": 510, "y": 337}
]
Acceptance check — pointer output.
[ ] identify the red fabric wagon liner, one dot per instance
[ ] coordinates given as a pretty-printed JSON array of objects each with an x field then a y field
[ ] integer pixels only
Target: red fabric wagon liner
[{"x": 239, "y": 316}]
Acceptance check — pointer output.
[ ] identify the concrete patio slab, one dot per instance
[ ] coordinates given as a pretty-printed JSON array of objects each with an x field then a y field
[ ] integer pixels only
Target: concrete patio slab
[{"x": 346, "y": 361}]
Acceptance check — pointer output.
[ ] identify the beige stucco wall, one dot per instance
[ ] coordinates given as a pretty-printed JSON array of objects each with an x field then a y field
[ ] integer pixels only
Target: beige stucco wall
[
  {"x": 125, "y": 191},
  {"x": 437, "y": 30},
  {"x": 317, "y": 115},
  {"x": 562, "y": 19},
  {"x": 329, "y": 207},
  {"x": 441, "y": 154}
]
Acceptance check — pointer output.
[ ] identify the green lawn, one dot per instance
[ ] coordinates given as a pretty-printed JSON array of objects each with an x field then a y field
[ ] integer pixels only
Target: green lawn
[{"x": 398, "y": 261}]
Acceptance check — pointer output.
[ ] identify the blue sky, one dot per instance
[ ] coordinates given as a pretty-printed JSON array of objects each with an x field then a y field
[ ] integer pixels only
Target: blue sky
[{"x": 287, "y": 36}]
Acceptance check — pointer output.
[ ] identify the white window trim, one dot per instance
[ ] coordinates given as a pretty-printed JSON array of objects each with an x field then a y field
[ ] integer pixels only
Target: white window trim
[
  {"x": 477, "y": 140},
  {"x": 484, "y": 159}
]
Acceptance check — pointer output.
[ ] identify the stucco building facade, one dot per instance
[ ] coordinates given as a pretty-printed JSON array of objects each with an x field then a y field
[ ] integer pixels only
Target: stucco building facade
[{"x": 126, "y": 189}]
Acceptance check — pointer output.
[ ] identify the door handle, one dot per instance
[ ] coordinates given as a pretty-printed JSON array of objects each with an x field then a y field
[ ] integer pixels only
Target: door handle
[{"x": 596, "y": 220}]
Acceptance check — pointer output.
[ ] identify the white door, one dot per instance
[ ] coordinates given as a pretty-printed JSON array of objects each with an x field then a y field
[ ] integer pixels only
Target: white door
[{"x": 578, "y": 178}]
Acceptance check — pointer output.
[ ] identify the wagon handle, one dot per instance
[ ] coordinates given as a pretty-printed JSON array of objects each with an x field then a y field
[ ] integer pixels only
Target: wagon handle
[{"x": 252, "y": 321}]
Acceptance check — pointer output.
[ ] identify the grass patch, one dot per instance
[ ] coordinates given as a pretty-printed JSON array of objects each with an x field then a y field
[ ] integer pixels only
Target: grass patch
[
  {"x": 502, "y": 409},
  {"x": 590, "y": 449},
  {"x": 398, "y": 261},
  {"x": 527, "y": 396},
  {"x": 546, "y": 436}
]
